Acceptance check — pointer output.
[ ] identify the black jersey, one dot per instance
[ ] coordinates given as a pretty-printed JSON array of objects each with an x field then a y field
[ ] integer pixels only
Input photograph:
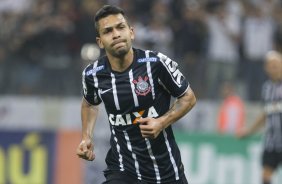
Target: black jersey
[
  {"x": 143, "y": 90},
  {"x": 272, "y": 97}
]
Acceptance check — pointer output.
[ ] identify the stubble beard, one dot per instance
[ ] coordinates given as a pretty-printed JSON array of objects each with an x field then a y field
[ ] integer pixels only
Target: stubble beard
[{"x": 121, "y": 52}]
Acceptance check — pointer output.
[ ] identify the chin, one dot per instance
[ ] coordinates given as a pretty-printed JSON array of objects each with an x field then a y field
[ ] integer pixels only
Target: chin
[{"x": 121, "y": 52}]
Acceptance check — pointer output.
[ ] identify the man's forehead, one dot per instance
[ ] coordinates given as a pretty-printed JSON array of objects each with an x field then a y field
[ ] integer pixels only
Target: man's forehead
[
  {"x": 111, "y": 21},
  {"x": 274, "y": 60}
]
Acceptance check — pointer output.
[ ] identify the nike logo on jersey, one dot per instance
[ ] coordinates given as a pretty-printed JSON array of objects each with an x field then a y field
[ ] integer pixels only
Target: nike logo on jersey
[
  {"x": 132, "y": 118},
  {"x": 105, "y": 91}
]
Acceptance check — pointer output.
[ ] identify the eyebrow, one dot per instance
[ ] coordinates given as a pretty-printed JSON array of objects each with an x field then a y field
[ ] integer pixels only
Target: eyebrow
[{"x": 116, "y": 25}]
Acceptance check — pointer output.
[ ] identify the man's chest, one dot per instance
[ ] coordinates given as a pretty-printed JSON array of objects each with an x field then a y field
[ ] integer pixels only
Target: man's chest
[
  {"x": 135, "y": 89},
  {"x": 273, "y": 99}
]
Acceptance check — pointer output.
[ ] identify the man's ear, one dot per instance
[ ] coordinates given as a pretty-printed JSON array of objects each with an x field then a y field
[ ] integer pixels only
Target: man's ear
[
  {"x": 132, "y": 35},
  {"x": 100, "y": 44}
]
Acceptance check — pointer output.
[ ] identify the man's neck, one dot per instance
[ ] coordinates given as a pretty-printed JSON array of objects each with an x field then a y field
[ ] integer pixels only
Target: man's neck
[{"x": 122, "y": 63}]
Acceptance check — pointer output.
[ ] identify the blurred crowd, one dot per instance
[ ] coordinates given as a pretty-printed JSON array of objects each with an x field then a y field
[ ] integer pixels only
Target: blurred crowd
[{"x": 214, "y": 41}]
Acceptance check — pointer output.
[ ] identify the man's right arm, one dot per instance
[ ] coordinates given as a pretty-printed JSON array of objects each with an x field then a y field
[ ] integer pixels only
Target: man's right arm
[
  {"x": 259, "y": 122},
  {"x": 89, "y": 114}
]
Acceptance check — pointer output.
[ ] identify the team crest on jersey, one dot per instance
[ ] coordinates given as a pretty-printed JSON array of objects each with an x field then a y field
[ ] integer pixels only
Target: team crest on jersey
[{"x": 142, "y": 87}]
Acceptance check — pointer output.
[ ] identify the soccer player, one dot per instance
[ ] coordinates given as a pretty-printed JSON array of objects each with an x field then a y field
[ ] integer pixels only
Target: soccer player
[
  {"x": 136, "y": 87},
  {"x": 271, "y": 116}
]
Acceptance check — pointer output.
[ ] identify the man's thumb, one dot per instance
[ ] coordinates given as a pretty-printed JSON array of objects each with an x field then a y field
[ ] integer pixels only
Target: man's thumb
[
  {"x": 84, "y": 146},
  {"x": 142, "y": 120}
]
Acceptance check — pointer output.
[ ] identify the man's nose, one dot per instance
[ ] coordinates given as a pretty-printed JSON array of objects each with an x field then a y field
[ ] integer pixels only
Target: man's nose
[{"x": 116, "y": 33}]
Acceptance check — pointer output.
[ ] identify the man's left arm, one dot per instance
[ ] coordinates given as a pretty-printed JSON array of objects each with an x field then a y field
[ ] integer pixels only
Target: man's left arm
[{"x": 151, "y": 127}]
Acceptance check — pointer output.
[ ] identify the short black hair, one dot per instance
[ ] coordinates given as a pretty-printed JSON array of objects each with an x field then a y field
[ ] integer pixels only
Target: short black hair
[{"x": 105, "y": 11}]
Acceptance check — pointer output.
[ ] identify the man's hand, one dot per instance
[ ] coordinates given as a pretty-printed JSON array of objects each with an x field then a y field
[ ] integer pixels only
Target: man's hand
[
  {"x": 150, "y": 127},
  {"x": 85, "y": 150},
  {"x": 243, "y": 134}
]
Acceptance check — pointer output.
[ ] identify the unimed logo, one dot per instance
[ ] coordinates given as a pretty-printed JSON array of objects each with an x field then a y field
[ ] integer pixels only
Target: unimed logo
[
  {"x": 205, "y": 164},
  {"x": 24, "y": 162}
]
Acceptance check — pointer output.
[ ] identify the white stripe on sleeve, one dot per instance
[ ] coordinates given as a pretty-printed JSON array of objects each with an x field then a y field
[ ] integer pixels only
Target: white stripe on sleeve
[{"x": 94, "y": 75}]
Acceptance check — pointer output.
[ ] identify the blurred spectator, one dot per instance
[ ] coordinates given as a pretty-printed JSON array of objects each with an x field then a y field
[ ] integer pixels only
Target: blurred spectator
[
  {"x": 3, "y": 63},
  {"x": 255, "y": 45},
  {"x": 42, "y": 40},
  {"x": 223, "y": 54},
  {"x": 190, "y": 47},
  {"x": 18, "y": 6},
  {"x": 231, "y": 116},
  {"x": 277, "y": 14},
  {"x": 85, "y": 31},
  {"x": 157, "y": 34}
]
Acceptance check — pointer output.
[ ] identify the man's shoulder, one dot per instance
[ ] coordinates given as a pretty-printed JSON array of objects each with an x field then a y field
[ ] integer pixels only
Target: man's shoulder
[
  {"x": 95, "y": 66},
  {"x": 268, "y": 83},
  {"x": 144, "y": 51},
  {"x": 151, "y": 54},
  {"x": 146, "y": 55}
]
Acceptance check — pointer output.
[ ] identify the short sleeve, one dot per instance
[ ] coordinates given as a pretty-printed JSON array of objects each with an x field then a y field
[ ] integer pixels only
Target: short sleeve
[
  {"x": 90, "y": 93},
  {"x": 171, "y": 76}
]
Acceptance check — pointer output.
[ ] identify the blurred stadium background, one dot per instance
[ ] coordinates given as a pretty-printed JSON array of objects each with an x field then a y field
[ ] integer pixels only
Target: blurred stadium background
[{"x": 44, "y": 46}]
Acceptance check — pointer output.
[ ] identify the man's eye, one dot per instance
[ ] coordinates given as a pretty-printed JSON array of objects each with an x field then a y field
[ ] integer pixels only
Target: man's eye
[{"x": 107, "y": 31}]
